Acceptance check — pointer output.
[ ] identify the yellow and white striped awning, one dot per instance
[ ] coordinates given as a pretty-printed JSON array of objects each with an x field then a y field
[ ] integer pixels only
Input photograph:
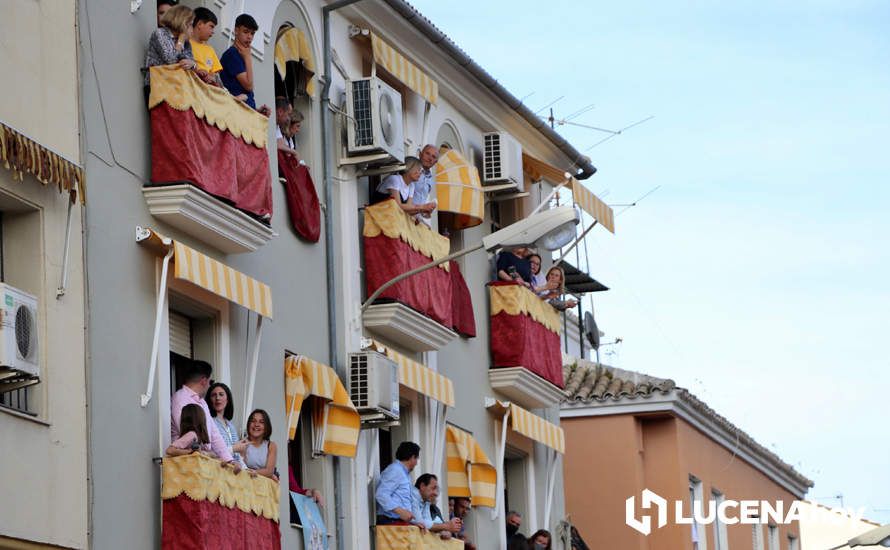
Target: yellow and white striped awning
[
  {"x": 293, "y": 45},
  {"x": 337, "y": 420},
  {"x": 530, "y": 425},
  {"x": 470, "y": 473},
  {"x": 407, "y": 72},
  {"x": 418, "y": 377},
  {"x": 209, "y": 274},
  {"x": 590, "y": 203},
  {"x": 459, "y": 190}
]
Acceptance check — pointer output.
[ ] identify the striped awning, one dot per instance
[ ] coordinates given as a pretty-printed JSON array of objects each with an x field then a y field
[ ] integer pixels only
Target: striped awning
[
  {"x": 209, "y": 274},
  {"x": 418, "y": 377},
  {"x": 337, "y": 420},
  {"x": 21, "y": 155},
  {"x": 293, "y": 45},
  {"x": 407, "y": 72},
  {"x": 470, "y": 473},
  {"x": 591, "y": 204},
  {"x": 459, "y": 190},
  {"x": 529, "y": 424}
]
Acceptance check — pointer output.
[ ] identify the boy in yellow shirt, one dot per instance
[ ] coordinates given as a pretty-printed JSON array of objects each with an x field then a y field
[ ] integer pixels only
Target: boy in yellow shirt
[{"x": 205, "y": 56}]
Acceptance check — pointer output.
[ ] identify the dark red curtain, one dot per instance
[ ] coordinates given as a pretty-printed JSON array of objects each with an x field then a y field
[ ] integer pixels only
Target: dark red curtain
[
  {"x": 185, "y": 148},
  {"x": 462, "y": 320},
  {"x": 205, "y": 525},
  {"x": 302, "y": 200},
  {"x": 520, "y": 341},
  {"x": 428, "y": 292}
]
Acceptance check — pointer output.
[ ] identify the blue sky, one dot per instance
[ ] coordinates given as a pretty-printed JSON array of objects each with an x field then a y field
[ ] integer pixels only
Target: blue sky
[{"x": 756, "y": 276}]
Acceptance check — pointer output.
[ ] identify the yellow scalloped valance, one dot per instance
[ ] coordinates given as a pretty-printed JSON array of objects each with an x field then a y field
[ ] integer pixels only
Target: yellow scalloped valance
[
  {"x": 516, "y": 300},
  {"x": 400, "y": 537},
  {"x": 21, "y": 154},
  {"x": 202, "y": 478},
  {"x": 183, "y": 90},
  {"x": 386, "y": 217}
]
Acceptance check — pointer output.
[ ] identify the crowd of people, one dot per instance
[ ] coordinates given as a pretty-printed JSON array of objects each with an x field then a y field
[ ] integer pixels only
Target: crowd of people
[
  {"x": 523, "y": 266},
  {"x": 182, "y": 39},
  {"x": 201, "y": 413}
]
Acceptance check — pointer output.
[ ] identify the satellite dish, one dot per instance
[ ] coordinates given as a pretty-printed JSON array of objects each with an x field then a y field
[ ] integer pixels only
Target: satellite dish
[{"x": 591, "y": 331}]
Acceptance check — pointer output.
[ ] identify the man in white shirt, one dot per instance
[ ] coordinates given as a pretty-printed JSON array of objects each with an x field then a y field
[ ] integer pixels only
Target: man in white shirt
[{"x": 425, "y": 187}]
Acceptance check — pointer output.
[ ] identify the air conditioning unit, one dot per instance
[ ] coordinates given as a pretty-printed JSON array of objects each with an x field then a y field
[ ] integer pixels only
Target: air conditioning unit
[
  {"x": 374, "y": 387},
  {"x": 502, "y": 161},
  {"x": 18, "y": 336},
  {"x": 375, "y": 119}
]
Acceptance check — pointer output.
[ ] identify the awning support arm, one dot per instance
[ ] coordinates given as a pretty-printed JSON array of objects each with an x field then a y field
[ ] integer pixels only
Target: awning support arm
[
  {"x": 499, "y": 495},
  {"x": 552, "y": 458},
  {"x": 64, "y": 282},
  {"x": 162, "y": 298},
  {"x": 254, "y": 359}
]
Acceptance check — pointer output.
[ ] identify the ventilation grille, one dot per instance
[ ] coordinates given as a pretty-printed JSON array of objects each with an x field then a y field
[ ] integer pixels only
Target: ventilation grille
[
  {"x": 358, "y": 379},
  {"x": 361, "y": 108},
  {"x": 492, "y": 165},
  {"x": 24, "y": 331}
]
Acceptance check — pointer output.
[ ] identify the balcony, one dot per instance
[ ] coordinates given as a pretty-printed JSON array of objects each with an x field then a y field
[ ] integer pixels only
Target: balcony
[
  {"x": 427, "y": 310},
  {"x": 393, "y": 537},
  {"x": 209, "y": 164},
  {"x": 236, "y": 511},
  {"x": 525, "y": 346}
]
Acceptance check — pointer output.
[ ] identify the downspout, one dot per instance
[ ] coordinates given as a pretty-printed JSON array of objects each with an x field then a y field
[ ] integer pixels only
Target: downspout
[
  {"x": 438, "y": 38},
  {"x": 327, "y": 169}
]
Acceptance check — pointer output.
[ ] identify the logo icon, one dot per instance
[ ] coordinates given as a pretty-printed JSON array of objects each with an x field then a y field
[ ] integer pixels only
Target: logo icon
[{"x": 644, "y": 524}]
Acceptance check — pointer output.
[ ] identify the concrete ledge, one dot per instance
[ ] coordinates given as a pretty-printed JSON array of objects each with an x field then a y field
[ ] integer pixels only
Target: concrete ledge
[
  {"x": 207, "y": 218},
  {"x": 402, "y": 325},
  {"x": 524, "y": 387}
]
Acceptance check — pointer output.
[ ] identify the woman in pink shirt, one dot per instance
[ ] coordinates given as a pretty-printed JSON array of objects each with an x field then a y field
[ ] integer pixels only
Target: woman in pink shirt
[{"x": 193, "y": 427}]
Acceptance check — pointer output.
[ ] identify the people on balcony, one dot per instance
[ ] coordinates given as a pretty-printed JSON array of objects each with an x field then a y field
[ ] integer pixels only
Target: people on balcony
[
  {"x": 394, "y": 490},
  {"x": 193, "y": 390},
  {"x": 205, "y": 56},
  {"x": 259, "y": 457},
  {"x": 169, "y": 43},
  {"x": 426, "y": 491},
  {"x": 237, "y": 63},
  {"x": 555, "y": 289},
  {"x": 425, "y": 186},
  {"x": 401, "y": 186},
  {"x": 284, "y": 131},
  {"x": 540, "y": 540},
  {"x": 221, "y": 405},
  {"x": 513, "y": 265},
  {"x": 193, "y": 427},
  {"x": 458, "y": 508},
  {"x": 163, "y": 6},
  {"x": 538, "y": 280}
]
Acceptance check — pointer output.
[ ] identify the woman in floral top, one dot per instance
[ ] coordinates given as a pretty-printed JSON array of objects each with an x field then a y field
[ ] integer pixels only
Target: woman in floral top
[
  {"x": 169, "y": 43},
  {"x": 219, "y": 400}
]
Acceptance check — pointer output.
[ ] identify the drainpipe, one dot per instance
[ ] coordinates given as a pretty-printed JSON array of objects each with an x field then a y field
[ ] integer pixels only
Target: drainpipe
[{"x": 327, "y": 169}]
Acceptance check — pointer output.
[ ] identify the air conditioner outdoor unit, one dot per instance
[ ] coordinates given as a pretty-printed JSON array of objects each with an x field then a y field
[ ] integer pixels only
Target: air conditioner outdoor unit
[
  {"x": 374, "y": 387},
  {"x": 19, "y": 365},
  {"x": 502, "y": 160},
  {"x": 375, "y": 119}
]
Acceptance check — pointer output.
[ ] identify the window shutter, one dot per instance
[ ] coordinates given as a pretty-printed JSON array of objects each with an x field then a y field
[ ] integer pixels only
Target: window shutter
[{"x": 181, "y": 334}]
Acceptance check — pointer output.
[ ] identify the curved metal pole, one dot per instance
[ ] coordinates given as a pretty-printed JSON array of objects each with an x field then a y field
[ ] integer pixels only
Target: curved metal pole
[
  {"x": 153, "y": 362},
  {"x": 417, "y": 270}
]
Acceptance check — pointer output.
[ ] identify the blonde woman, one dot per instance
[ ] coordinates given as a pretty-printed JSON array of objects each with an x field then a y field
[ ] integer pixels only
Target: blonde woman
[
  {"x": 400, "y": 187},
  {"x": 169, "y": 44},
  {"x": 556, "y": 283}
]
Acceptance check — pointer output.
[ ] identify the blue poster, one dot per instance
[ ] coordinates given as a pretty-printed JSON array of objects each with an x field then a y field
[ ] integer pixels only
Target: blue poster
[{"x": 315, "y": 534}]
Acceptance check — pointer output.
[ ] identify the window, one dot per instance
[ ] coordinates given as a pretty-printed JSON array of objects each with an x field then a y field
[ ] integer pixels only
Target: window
[
  {"x": 194, "y": 334},
  {"x": 792, "y": 543},
  {"x": 772, "y": 537},
  {"x": 720, "y": 539},
  {"x": 21, "y": 268},
  {"x": 696, "y": 497},
  {"x": 518, "y": 484}
]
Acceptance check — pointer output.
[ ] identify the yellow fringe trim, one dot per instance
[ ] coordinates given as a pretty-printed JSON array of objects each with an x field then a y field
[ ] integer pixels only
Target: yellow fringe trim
[
  {"x": 516, "y": 300},
  {"x": 21, "y": 155},
  {"x": 387, "y": 218}
]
